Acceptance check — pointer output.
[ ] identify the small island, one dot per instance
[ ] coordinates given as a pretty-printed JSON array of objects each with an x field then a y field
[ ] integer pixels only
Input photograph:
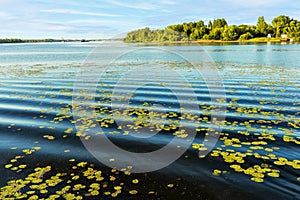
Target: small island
[{"x": 283, "y": 28}]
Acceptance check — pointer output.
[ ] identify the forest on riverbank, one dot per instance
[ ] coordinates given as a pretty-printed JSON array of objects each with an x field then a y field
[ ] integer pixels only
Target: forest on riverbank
[{"x": 219, "y": 29}]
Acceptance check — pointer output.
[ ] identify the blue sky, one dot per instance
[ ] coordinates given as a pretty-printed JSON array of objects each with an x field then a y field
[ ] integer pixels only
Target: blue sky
[{"x": 112, "y": 18}]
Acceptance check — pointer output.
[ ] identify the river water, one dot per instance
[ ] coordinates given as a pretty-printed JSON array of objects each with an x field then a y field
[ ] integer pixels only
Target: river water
[{"x": 255, "y": 88}]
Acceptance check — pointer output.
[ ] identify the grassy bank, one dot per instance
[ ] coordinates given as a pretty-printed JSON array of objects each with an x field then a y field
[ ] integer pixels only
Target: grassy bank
[{"x": 215, "y": 42}]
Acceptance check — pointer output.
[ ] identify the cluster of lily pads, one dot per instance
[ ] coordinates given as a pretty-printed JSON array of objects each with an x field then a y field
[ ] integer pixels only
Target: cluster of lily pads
[{"x": 42, "y": 184}]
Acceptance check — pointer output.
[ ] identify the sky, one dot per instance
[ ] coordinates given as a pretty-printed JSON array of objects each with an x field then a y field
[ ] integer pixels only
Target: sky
[{"x": 95, "y": 19}]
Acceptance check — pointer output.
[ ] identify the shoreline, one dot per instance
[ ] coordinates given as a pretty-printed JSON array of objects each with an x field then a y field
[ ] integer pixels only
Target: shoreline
[
  {"x": 253, "y": 40},
  {"x": 216, "y": 42}
]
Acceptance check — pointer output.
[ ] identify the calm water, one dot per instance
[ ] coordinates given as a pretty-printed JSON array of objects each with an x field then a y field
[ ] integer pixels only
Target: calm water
[
  {"x": 261, "y": 132},
  {"x": 275, "y": 54}
]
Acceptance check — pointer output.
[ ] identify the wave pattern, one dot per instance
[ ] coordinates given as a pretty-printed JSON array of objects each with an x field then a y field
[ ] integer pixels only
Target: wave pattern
[{"x": 257, "y": 148}]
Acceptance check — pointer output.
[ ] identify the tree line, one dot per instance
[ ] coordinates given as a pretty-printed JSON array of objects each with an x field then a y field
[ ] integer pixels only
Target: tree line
[
  {"x": 17, "y": 40},
  {"x": 11, "y": 40},
  {"x": 219, "y": 29}
]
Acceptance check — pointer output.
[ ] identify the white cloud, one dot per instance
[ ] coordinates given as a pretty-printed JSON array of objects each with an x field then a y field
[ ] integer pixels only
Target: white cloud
[
  {"x": 9, "y": 3},
  {"x": 168, "y": 2},
  {"x": 77, "y": 12},
  {"x": 116, "y": 25},
  {"x": 4, "y": 15},
  {"x": 246, "y": 3},
  {"x": 135, "y": 5},
  {"x": 36, "y": 25}
]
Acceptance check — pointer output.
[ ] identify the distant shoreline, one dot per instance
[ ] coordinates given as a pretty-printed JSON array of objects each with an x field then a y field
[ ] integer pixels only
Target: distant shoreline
[{"x": 20, "y": 41}]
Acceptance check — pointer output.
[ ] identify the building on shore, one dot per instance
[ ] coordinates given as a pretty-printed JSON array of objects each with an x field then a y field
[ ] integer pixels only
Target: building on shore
[{"x": 284, "y": 38}]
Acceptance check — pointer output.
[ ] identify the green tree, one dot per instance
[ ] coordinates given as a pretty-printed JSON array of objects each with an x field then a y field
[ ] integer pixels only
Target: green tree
[
  {"x": 230, "y": 33},
  {"x": 141, "y": 35},
  {"x": 11, "y": 40},
  {"x": 247, "y": 28},
  {"x": 217, "y": 30},
  {"x": 200, "y": 24},
  {"x": 219, "y": 23},
  {"x": 209, "y": 25},
  {"x": 187, "y": 29},
  {"x": 245, "y": 36},
  {"x": 198, "y": 33},
  {"x": 176, "y": 27},
  {"x": 262, "y": 27},
  {"x": 279, "y": 23},
  {"x": 215, "y": 34}
]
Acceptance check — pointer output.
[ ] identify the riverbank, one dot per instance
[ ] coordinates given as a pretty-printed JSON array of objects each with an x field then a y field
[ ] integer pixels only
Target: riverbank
[
  {"x": 255, "y": 40},
  {"x": 218, "y": 42}
]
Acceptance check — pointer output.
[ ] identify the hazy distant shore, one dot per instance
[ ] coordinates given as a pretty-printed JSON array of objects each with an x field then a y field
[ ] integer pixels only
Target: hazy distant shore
[{"x": 17, "y": 40}]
